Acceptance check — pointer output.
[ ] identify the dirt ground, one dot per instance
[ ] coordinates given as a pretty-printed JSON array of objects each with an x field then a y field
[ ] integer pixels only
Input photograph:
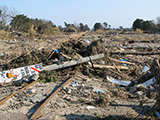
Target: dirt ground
[
  {"x": 72, "y": 102},
  {"x": 90, "y": 95}
]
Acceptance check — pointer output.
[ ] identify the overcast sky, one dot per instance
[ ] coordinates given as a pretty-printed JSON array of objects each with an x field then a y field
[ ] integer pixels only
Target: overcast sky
[{"x": 114, "y": 12}]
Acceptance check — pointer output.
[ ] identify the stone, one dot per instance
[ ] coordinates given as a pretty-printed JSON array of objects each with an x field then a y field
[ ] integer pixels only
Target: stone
[
  {"x": 140, "y": 93},
  {"x": 37, "y": 98},
  {"x": 32, "y": 91},
  {"x": 69, "y": 91},
  {"x": 68, "y": 98}
]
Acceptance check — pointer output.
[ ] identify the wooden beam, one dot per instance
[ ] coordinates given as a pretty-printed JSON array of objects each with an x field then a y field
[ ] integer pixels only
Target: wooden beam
[
  {"x": 135, "y": 53},
  {"x": 108, "y": 66},
  {"x": 115, "y": 60}
]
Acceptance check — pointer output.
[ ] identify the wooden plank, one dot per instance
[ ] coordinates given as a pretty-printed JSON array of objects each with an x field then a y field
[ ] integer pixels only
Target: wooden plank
[
  {"x": 115, "y": 60},
  {"x": 113, "y": 67}
]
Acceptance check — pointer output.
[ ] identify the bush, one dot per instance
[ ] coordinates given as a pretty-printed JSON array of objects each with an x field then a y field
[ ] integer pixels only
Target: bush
[
  {"x": 48, "y": 76},
  {"x": 99, "y": 31}
]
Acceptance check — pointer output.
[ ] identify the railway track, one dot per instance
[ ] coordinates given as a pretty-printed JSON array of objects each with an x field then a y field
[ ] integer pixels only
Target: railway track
[
  {"x": 5, "y": 99},
  {"x": 53, "y": 93},
  {"x": 37, "y": 112}
]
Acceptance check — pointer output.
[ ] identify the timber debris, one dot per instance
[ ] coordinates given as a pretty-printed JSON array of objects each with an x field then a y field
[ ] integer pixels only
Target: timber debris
[{"x": 114, "y": 74}]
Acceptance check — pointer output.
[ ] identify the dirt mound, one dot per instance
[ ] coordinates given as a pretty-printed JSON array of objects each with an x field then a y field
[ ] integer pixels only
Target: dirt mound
[
  {"x": 81, "y": 47},
  {"x": 31, "y": 58}
]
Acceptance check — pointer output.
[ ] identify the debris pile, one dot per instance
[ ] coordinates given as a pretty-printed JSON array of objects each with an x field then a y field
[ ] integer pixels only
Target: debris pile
[{"x": 121, "y": 83}]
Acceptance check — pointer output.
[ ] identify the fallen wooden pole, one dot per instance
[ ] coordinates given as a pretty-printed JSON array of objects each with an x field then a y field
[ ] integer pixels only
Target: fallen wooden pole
[
  {"x": 107, "y": 66},
  {"x": 37, "y": 113},
  {"x": 51, "y": 54},
  {"x": 66, "y": 56},
  {"x": 135, "y": 53},
  {"x": 115, "y": 60},
  {"x": 73, "y": 62}
]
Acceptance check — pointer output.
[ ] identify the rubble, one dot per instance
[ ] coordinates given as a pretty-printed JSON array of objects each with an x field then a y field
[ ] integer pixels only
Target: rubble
[{"x": 121, "y": 82}]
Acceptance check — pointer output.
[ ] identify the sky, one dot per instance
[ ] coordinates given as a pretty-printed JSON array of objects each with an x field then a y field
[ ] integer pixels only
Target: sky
[{"x": 115, "y": 12}]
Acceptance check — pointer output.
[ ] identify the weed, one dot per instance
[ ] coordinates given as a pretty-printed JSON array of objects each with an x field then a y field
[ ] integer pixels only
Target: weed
[
  {"x": 48, "y": 76},
  {"x": 80, "y": 100},
  {"x": 95, "y": 114}
]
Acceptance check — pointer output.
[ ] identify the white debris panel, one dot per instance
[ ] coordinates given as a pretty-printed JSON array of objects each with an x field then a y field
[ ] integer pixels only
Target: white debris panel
[{"x": 19, "y": 73}]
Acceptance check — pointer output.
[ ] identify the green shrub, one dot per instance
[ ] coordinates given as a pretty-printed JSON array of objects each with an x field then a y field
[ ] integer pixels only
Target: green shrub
[{"x": 48, "y": 76}]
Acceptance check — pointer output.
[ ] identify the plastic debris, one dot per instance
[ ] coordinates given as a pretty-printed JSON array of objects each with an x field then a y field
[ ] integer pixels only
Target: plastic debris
[
  {"x": 90, "y": 107},
  {"x": 124, "y": 61},
  {"x": 141, "y": 116},
  {"x": 87, "y": 41},
  {"x": 32, "y": 91},
  {"x": 99, "y": 91},
  {"x": 56, "y": 51},
  {"x": 103, "y": 62},
  {"x": 124, "y": 47},
  {"x": 145, "y": 69},
  {"x": 104, "y": 44},
  {"x": 158, "y": 114},
  {"x": 133, "y": 50},
  {"x": 120, "y": 82},
  {"x": 89, "y": 63},
  {"x": 74, "y": 84},
  {"x": 2, "y": 55}
]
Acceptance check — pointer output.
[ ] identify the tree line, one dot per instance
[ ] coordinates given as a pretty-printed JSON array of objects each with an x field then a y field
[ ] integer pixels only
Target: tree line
[
  {"x": 149, "y": 26},
  {"x": 11, "y": 20}
]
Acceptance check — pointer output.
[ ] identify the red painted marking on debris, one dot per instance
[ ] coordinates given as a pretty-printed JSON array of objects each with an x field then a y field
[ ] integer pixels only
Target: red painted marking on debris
[
  {"x": 15, "y": 75},
  {"x": 4, "y": 81},
  {"x": 35, "y": 69}
]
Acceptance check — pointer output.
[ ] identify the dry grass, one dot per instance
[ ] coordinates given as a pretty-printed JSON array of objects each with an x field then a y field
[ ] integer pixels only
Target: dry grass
[
  {"x": 5, "y": 35},
  {"x": 139, "y": 31},
  {"x": 77, "y": 35},
  {"x": 99, "y": 31}
]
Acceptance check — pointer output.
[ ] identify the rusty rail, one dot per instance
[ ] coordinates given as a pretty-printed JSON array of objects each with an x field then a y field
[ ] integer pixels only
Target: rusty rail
[
  {"x": 5, "y": 99},
  {"x": 37, "y": 113}
]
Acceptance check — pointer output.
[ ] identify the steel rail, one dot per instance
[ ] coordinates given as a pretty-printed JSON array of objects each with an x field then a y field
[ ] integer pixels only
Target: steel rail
[
  {"x": 37, "y": 112},
  {"x": 5, "y": 99}
]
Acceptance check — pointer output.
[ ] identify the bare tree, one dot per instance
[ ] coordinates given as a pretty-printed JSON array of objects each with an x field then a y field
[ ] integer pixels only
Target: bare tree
[
  {"x": 13, "y": 12},
  {"x": 4, "y": 15},
  {"x": 7, "y": 15}
]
